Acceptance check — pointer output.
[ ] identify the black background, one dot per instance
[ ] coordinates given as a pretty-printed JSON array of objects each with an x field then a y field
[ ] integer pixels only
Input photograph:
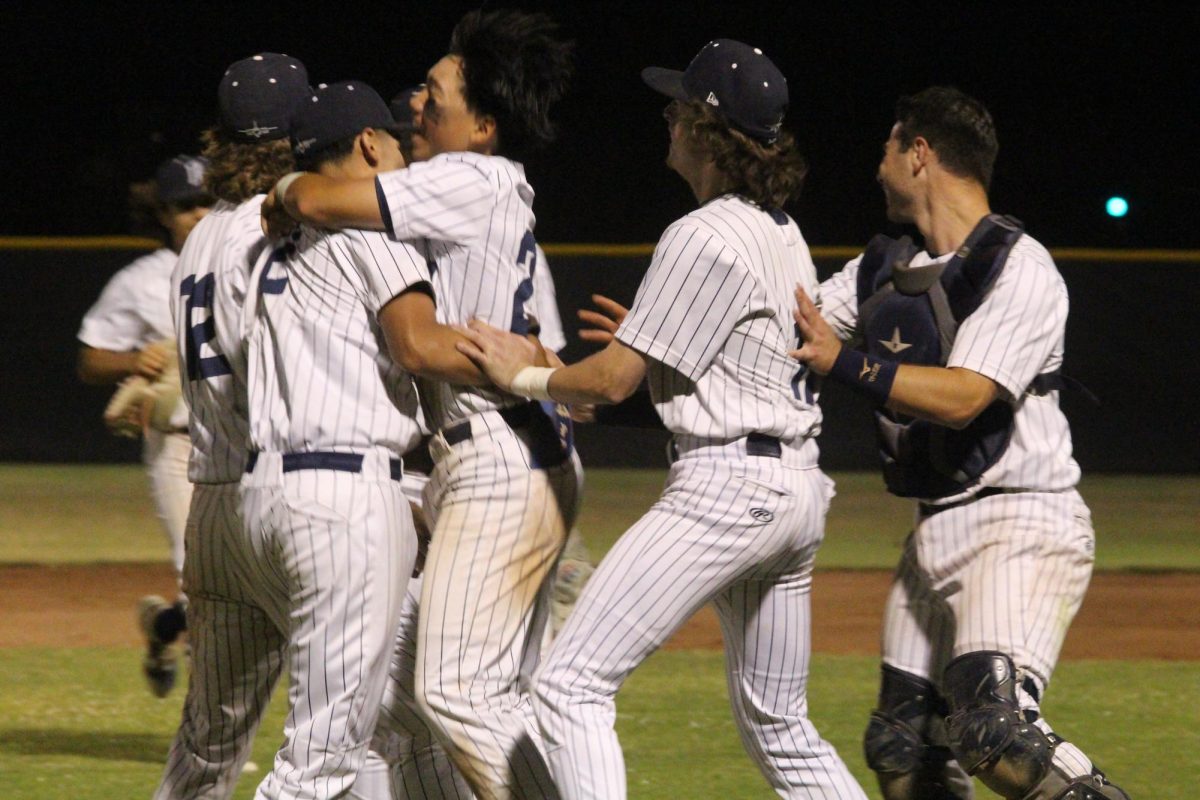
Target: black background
[{"x": 1090, "y": 100}]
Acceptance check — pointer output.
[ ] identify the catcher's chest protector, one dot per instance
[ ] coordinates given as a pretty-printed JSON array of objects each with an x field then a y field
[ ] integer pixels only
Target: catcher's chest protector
[{"x": 911, "y": 315}]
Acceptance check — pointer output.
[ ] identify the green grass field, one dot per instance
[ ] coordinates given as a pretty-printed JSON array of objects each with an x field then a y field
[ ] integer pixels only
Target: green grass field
[
  {"x": 78, "y": 723},
  {"x": 86, "y": 514}
]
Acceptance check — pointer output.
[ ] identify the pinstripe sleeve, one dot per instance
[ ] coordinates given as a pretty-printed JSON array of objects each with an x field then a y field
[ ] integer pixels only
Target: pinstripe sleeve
[
  {"x": 838, "y": 299},
  {"x": 387, "y": 268},
  {"x": 691, "y": 299},
  {"x": 442, "y": 200},
  {"x": 1011, "y": 336}
]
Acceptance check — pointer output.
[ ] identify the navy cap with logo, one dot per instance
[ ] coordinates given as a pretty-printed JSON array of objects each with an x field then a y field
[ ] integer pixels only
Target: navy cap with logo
[
  {"x": 401, "y": 106},
  {"x": 179, "y": 181},
  {"x": 335, "y": 112},
  {"x": 258, "y": 97},
  {"x": 737, "y": 80}
]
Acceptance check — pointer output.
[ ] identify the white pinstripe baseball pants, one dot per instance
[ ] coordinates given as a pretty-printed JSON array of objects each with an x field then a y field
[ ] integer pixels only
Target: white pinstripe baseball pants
[
  {"x": 332, "y": 553},
  {"x": 237, "y": 652},
  {"x": 1007, "y": 573},
  {"x": 499, "y": 525},
  {"x": 741, "y": 533}
]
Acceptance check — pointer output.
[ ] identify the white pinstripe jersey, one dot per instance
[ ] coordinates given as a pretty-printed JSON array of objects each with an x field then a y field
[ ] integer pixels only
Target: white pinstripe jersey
[
  {"x": 1016, "y": 334},
  {"x": 714, "y": 313},
  {"x": 207, "y": 306},
  {"x": 472, "y": 217},
  {"x": 319, "y": 373},
  {"x": 134, "y": 310}
]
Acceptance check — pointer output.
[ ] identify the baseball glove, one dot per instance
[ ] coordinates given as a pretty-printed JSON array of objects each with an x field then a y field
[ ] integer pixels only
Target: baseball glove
[
  {"x": 140, "y": 403},
  {"x": 123, "y": 414}
]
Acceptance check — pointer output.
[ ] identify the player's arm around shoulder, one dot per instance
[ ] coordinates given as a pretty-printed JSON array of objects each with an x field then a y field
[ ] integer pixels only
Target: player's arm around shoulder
[{"x": 322, "y": 202}]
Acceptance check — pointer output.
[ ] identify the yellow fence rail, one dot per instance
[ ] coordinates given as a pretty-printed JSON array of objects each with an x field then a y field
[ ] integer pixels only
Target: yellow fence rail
[{"x": 607, "y": 250}]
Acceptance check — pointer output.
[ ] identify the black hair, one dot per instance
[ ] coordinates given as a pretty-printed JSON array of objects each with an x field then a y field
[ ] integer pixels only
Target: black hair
[
  {"x": 514, "y": 69},
  {"x": 333, "y": 152},
  {"x": 957, "y": 126}
]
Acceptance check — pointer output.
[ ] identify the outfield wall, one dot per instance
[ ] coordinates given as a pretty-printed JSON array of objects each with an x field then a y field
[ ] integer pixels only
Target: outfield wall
[{"x": 1131, "y": 339}]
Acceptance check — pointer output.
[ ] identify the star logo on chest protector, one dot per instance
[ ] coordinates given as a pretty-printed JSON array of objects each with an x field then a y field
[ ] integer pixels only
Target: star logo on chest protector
[{"x": 894, "y": 344}]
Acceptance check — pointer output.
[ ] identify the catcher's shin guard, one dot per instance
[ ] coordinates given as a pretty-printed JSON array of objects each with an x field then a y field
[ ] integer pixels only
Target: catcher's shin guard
[
  {"x": 988, "y": 733},
  {"x": 904, "y": 742}
]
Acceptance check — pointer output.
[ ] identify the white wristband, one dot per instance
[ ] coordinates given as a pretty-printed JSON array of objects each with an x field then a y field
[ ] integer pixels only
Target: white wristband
[
  {"x": 283, "y": 184},
  {"x": 533, "y": 382}
]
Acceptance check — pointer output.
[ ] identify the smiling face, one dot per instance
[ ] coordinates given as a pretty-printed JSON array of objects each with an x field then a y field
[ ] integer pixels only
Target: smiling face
[
  {"x": 448, "y": 125},
  {"x": 897, "y": 177},
  {"x": 416, "y": 104}
]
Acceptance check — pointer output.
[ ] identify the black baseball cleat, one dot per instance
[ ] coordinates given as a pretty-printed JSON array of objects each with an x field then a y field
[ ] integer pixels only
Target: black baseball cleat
[{"x": 160, "y": 664}]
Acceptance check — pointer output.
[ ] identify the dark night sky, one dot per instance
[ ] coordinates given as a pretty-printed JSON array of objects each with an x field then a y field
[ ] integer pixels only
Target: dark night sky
[{"x": 1089, "y": 101}]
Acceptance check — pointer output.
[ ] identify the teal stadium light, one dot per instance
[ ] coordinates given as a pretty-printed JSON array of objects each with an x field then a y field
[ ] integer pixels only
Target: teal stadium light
[{"x": 1117, "y": 207}]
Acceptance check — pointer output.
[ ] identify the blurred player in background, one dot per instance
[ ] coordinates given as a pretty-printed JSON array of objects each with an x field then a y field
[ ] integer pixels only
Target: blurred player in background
[{"x": 127, "y": 337}]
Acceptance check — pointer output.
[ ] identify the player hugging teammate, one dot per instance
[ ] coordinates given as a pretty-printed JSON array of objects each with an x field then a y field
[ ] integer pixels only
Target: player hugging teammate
[{"x": 303, "y": 354}]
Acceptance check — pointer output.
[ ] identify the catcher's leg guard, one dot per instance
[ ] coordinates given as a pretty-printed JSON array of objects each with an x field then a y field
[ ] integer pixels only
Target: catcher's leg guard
[
  {"x": 987, "y": 731},
  {"x": 900, "y": 742},
  {"x": 1091, "y": 787}
]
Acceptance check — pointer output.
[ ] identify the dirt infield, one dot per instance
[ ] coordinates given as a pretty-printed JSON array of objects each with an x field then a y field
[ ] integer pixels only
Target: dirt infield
[{"x": 1125, "y": 615}]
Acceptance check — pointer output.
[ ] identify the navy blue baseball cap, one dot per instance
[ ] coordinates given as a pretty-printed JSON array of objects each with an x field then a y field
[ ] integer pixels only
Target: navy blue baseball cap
[
  {"x": 337, "y": 111},
  {"x": 737, "y": 80},
  {"x": 259, "y": 95},
  {"x": 179, "y": 181}
]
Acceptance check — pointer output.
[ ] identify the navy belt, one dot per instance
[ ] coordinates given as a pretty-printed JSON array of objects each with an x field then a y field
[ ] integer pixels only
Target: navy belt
[
  {"x": 517, "y": 417},
  {"x": 549, "y": 444},
  {"x": 762, "y": 444},
  {"x": 318, "y": 459},
  {"x": 757, "y": 444},
  {"x": 929, "y": 509}
]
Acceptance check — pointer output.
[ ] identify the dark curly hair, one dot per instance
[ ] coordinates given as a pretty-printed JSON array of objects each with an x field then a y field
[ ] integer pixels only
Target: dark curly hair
[
  {"x": 957, "y": 126},
  {"x": 237, "y": 171},
  {"x": 768, "y": 175},
  {"x": 514, "y": 69}
]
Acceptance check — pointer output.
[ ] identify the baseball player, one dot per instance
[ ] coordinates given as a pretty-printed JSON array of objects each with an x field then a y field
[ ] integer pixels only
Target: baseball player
[
  {"x": 503, "y": 491},
  {"x": 330, "y": 405},
  {"x": 963, "y": 344},
  {"x": 237, "y": 648},
  {"x": 741, "y": 517},
  {"x": 575, "y": 566},
  {"x": 125, "y": 337}
]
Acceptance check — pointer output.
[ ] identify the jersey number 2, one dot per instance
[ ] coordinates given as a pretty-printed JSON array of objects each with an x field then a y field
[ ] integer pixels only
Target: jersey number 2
[
  {"x": 526, "y": 257},
  {"x": 199, "y": 294}
]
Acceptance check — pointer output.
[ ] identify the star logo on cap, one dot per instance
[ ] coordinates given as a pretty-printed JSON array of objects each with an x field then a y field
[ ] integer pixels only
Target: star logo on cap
[{"x": 257, "y": 131}]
